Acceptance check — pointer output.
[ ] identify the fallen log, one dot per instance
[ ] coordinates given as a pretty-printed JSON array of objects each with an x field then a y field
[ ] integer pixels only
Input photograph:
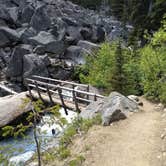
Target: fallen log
[{"x": 12, "y": 107}]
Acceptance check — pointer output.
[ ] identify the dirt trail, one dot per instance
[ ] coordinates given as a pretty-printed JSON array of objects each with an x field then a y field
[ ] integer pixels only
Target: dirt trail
[{"x": 135, "y": 141}]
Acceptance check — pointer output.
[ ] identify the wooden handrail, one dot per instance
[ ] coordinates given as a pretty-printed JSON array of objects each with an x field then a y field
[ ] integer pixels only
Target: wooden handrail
[
  {"x": 60, "y": 81},
  {"x": 54, "y": 93},
  {"x": 65, "y": 88}
]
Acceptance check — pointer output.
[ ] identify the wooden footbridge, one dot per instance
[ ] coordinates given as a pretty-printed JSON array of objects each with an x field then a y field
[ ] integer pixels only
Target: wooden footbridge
[{"x": 69, "y": 95}]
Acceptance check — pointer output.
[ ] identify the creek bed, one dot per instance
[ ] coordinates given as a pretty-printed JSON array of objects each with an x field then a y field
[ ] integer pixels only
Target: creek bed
[{"x": 24, "y": 148}]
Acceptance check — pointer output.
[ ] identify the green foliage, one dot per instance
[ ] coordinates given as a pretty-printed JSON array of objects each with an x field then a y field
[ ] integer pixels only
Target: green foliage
[
  {"x": 100, "y": 66},
  {"x": 153, "y": 64},
  {"x": 63, "y": 152},
  {"x": 77, "y": 161},
  {"x": 76, "y": 127},
  {"x": 39, "y": 106},
  {"x": 114, "y": 68},
  {"x": 7, "y": 131}
]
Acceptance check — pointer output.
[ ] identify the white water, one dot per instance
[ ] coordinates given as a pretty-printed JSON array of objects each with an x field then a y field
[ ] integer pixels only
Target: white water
[{"x": 25, "y": 148}]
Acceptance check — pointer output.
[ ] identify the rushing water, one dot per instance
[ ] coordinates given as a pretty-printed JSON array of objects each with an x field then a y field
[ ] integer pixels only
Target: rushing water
[{"x": 24, "y": 148}]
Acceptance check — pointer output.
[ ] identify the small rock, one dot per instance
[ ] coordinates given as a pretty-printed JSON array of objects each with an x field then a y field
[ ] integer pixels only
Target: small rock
[
  {"x": 140, "y": 103},
  {"x": 163, "y": 135}
]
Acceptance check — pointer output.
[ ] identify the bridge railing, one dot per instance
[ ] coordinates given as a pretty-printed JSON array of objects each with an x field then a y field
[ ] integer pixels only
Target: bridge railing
[{"x": 58, "y": 88}]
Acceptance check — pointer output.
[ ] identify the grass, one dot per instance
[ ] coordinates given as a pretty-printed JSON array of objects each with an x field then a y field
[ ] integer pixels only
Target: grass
[
  {"x": 77, "y": 161},
  {"x": 63, "y": 152}
]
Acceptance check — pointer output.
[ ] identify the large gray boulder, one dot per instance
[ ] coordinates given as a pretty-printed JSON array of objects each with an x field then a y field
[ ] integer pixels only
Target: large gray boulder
[
  {"x": 75, "y": 55},
  {"x": 40, "y": 19},
  {"x": 8, "y": 36},
  {"x": 92, "y": 110},
  {"x": 59, "y": 70},
  {"x": 74, "y": 33},
  {"x": 15, "y": 66},
  {"x": 26, "y": 33},
  {"x": 48, "y": 42},
  {"x": 88, "y": 45},
  {"x": 26, "y": 14},
  {"x": 113, "y": 108},
  {"x": 34, "y": 65},
  {"x": 9, "y": 16},
  {"x": 117, "y": 107},
  {"x": 86, "y": 33},
  {"x": 43, "y": 38}
]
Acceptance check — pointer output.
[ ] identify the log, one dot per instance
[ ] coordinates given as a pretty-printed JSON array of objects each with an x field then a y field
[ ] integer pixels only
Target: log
[{"x": 12, "y": 107}]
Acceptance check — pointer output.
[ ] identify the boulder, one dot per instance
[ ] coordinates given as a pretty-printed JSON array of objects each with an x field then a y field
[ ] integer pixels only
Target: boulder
[
  {"x": 26, "y": 33},
  {"x": 26, "y": 14},
  {"x": 43, "y": 38},
  {"x": 75, "y": 55},
  {"x": 34, "y": 65},
  {"x": 56, "y": 47},
  {"x": 15, "y": 66},
  {"x": 8, "y": 36},
  {"x": 86, "y": 33},
  {"x": 7, "y": 17},
  {"x": 69, "y": 21},
  {"x": 40, "y": 50},
  {"x": 112, "y": 108},
  {"x": 40, "y": 20},
  {"x": 88, "y": 45},
  {"x": 117, "y": 107},
  {"x": 49, "y": 43},
  {"x": 13, "y": 12},
  {"x": 92, "y": 110},
  {"x": 59, "y": 70},
  {"x": 74, "y": 32},
  {"x": 99, "y": 34}
]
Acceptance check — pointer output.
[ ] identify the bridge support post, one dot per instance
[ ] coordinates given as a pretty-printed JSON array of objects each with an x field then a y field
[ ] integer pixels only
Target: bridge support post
[
  {"x": 38, "y": 91},
  {"x": 62, "y": 101},
  {"x": 75, "y": 101},
  {"x": 95, "y": 97},
  {"x": 49, "y": 95},
  {"x": 88, "y": 91}
]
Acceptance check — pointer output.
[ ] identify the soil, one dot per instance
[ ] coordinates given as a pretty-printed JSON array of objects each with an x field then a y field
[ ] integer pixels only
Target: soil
[{"x": 136, "y": 141}]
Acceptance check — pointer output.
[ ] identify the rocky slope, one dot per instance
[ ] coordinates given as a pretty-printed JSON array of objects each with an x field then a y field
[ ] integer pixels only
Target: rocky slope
[{"x": 48, "y": 37}]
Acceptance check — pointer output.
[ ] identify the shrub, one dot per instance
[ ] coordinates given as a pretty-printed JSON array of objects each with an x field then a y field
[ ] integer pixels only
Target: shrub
[
  {"x": 115, "y": 67},
  {"x": 153, "y": 64}
]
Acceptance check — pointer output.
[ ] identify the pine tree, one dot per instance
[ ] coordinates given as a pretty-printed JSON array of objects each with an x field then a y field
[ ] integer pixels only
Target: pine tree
[{"x": 118, "y": 80}]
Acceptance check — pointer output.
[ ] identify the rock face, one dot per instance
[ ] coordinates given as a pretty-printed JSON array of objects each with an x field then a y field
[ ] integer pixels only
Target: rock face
[
  {"x": 58, "y": 29},
  {"x": 112, "y": 108}
]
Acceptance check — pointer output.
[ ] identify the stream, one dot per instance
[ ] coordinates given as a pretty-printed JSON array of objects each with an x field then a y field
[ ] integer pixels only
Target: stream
[{"x": 24, "y": 148}]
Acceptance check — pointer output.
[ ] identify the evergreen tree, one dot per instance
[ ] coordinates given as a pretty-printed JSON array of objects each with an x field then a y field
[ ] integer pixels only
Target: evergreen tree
[{"x": 118, "y": 80}]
